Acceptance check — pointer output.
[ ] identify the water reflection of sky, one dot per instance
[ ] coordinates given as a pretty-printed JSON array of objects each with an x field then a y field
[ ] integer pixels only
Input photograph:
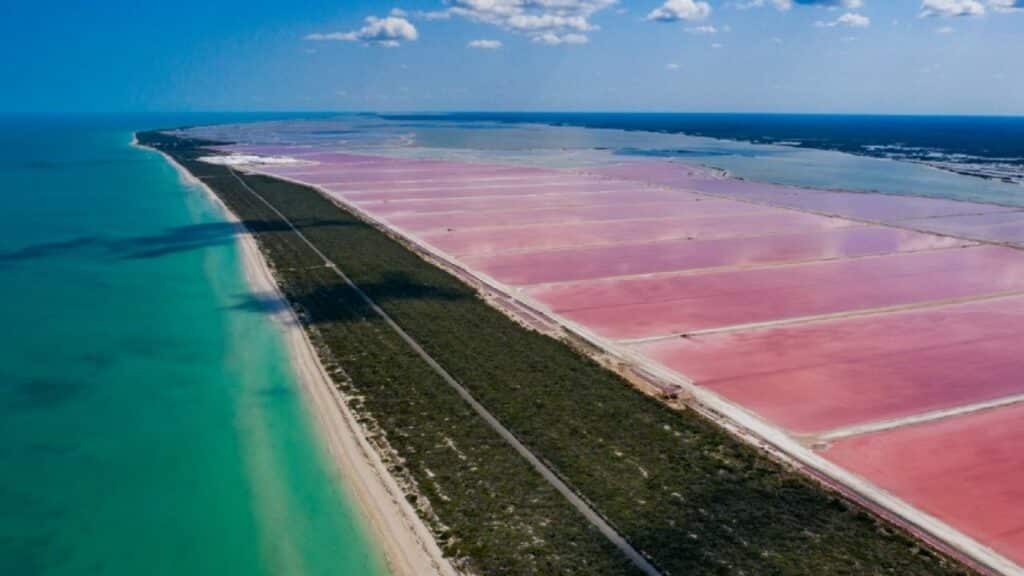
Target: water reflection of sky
[{"x": 567, "y": 147}]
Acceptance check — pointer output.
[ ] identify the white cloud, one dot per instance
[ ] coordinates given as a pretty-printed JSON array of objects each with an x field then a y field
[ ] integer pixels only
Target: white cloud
[
  {"x": 550, "y": 22},
  {"x": 848, "y": 4},
  {"x": 676, "y": 10},
  {"x": 784, "y": 5},
  {"x": 951, "y": 8},
  {"x": 553, "y": 39},
  {"x": 781, "y": 5},
  {"x": 671, "y": 66},
  {"x": 944, "y": 30},
  {"x": 851, "y": 19},
  {"x": 485, "y": 44},
  {"x": 1007, "y": 5},
  {"x": 390, "y": 32},
  {"x": 716, "y": 45},
  {"x": 432, "y": 15},
  {"x": 702, "y": 30}
]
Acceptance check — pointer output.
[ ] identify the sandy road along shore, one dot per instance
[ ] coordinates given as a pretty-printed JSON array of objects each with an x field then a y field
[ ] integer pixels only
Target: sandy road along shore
[{"x": 404, "y": 541}]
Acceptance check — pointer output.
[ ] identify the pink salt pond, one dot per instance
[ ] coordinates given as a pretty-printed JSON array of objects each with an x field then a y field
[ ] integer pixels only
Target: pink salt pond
[
  {"x": 814, "y": 377},
  {"x": 470, "y": 188},
  {"x": 677, "y": 255},
  {"x": 321, "y": 175},
  {"x": 663, "y": 305},
  {"x": 595, "y": 212},
  {"x": 494, "y": 241},
  {"x": 967, "y": 471},
  {"x": 526, "y": 198},
  {"x": 1004, "y": 227}
]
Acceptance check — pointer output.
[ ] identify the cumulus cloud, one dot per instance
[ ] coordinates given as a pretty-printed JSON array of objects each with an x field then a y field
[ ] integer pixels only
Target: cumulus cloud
[
  {"x": 1007, "y": 5},
  {"x": 702, "y": 30},
  {"x": 549, "y": 22},
  {"x": 781, "y": 5},
  {"x": 432, "y": 15},
  {"x": 485, "y": 44},
  {"x": 851, "y": 19},
  {"x": 554, "y": 39},
  {"x": 784, "y": 5},
  {"x": 390, "y": 32},
  {"x": 676, "y": 10},
  {"x": 951, "y": 8},
  {"x": 848, "y": 4},
  {"x": 671, "y": 66},
  {"x": 944, "y": 30}
]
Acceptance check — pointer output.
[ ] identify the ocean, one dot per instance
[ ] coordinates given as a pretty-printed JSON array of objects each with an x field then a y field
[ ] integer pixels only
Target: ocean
[{"x": 151, "y": 420}]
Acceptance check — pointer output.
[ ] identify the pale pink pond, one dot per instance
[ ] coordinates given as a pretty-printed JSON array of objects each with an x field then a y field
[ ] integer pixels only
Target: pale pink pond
[
  {"x": 358, "y": 167},
  {"x": 567, "y": 265},
  {"x": 810, "y": 378},
  {"x": 592, "y": 213},
  {"x": 526, "y": 199},
  {"x": 269, "y": 150},
  {"x": 662, "y": 173},
  {"x": 481, "y": 241},
  {"x": 437, "y": 175},
  {"x": 1006, "y": 227},
  {"x": 465, "y": 188},
  {"x": 872, "y": 207},
  {"x": 658, "y": 306}
]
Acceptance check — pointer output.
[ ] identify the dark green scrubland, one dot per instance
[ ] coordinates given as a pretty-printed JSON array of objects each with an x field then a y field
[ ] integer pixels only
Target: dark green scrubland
[{"x": 679, "y": 488}]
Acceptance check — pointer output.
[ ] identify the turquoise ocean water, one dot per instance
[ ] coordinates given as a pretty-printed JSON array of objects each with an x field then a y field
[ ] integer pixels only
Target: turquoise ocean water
[{"x": 150, "y": 421}]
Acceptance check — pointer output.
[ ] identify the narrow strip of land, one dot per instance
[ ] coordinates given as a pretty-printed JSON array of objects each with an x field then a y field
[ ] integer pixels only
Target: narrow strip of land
[{"x": 592, "y": 516}]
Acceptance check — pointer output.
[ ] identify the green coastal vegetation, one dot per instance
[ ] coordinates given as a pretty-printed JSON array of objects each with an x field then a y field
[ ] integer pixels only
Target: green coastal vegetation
[{"x": 689, "y": 495}]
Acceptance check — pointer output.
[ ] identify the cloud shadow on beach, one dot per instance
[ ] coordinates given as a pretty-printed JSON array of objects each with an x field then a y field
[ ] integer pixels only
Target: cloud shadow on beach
[{"x": 268, "y": 303}]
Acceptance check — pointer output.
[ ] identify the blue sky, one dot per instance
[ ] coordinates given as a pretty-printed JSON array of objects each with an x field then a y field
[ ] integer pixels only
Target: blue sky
[{"x": 873, "y": 56}]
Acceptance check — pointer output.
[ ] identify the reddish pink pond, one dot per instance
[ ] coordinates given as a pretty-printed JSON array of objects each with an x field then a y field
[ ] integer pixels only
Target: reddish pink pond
[
  {"x": 483, "y": 241},
  {"x": 819, "y": 376},
  {"x": 653, "y": 306},
  {"x": 967, "y": 471},
  {"x": 678, "y": 255}
]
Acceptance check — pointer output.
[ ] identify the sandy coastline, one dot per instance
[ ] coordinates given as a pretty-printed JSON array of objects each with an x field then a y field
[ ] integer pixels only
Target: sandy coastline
[{"x": 403, "y": 541}]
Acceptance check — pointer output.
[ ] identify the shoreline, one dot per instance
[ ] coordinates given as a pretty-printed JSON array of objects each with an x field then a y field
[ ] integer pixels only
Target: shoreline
[{"x": 398, "y": 535}]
